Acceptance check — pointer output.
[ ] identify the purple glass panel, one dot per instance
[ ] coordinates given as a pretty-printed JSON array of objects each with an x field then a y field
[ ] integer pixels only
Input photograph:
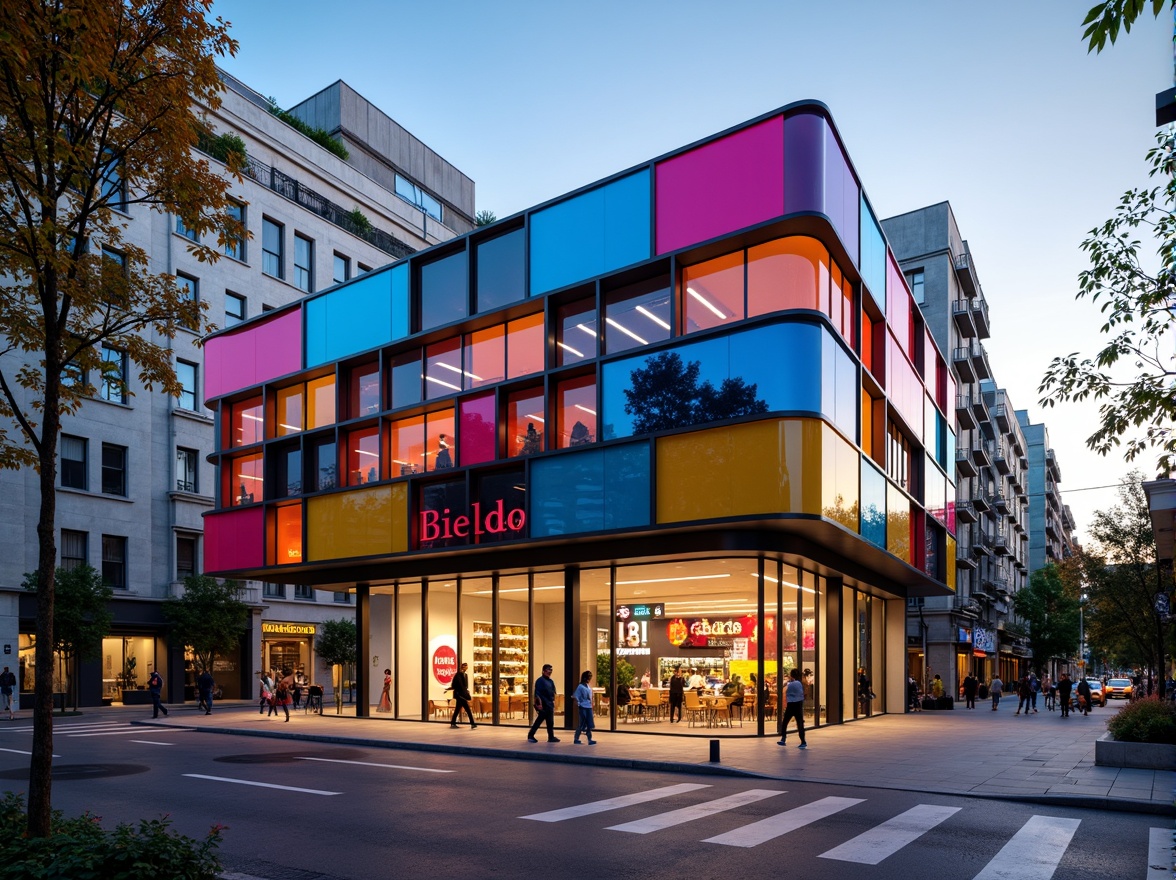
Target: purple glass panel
[
  {"x": 234, "y": 540},
  {"x": 477, "y": 431},
  {"x": 260, "y": 352},
  {"x": 842, "y": 199},
  {"x": 804, "y": 163},
  {"x": 722, "y": 186}
]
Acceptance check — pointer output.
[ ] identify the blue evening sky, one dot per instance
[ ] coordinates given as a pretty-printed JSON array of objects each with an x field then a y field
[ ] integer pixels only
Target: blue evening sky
[{"x": 995, "y": 107}]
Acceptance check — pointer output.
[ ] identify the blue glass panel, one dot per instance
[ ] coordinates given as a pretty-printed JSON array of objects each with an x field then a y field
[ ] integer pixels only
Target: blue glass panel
[
  {"x": 501, "y": 270},
  {"x": 780, "y": 361},
  {"x": 839, "y": 386},
  {"x": 627, "y": 481},
  {"x": 401, "y": 306},
  {"x": 591, "y": 233},
  {"x": 940, "y": 443},
  {"x": 444, "y": 294},
  {"x": 949, "y": 451},
  {"x": 567, "y": 494},
  {"x": 873, "y": 257},
  {"x": 873, "y": 504},
  {"x": 351, "y": 319}
]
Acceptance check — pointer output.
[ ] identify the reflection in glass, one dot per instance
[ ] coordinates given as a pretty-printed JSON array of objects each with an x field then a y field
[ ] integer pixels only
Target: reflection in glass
[
  {"x": 712, "y": 293},
  {"x": 407, "y": 440},
  {"x": 501, "y": 268},
  {"x": 406, "y": 379},
  {"x": 365, "y": 391},
  {"x": 576, "y": 332},
  {"x": 575, "y": 403},
  {"x": 326, "y": 467},
  {"x": 363, "y": 456},
  {"x": 525, "y": 423},
  {"x": 638, "y": 314},
  {"x": 289, "y": 410},
  {"x": 443, "y": 291},
  {"x": 443, "y": 374}
]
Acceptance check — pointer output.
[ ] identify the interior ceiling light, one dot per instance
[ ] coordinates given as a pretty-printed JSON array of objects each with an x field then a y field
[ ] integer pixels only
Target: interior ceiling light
[
  {"x": 590, "y": 412},
  {"x": 572, "y": 350},
  {"x": 587, "y": 330},
  {"x": 702, "y": 299},
  {"x": 653, "y": 317},
  {"x": 625, "y": 330}
]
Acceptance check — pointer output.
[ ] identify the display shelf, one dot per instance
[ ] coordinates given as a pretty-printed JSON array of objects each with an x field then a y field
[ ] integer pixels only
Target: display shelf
[{"x": 513, "y": 653}]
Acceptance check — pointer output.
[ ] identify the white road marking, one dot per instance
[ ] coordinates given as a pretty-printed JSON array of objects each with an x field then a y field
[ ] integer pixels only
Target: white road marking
[
  {"x": 262, "y": 784},
  {"x": 616, "y": 803},
  {"x": 22, "y": 752},
  {"x": 132, "y": 730},
  {"x": 371, "y": 764},
  {"x": 1034, "y": 852},
  {"x": 790, "y": 820},
  {"x": 1159, "y": 854},
  {"x": 698, "y": 811},
  {"x": 892, "y": 835},
  {"x": 64, "y": 728},
  {"x": 148, "y": 742}
]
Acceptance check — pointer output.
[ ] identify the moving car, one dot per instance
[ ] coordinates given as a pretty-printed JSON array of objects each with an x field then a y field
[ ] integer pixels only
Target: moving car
[
  {"x": 1119, "y": 688},
  {"x": 1097, "y": 695}
]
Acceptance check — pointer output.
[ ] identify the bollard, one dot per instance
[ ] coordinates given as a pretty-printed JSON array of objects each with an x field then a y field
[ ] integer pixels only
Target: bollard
[{"x": 714, "y": 751}]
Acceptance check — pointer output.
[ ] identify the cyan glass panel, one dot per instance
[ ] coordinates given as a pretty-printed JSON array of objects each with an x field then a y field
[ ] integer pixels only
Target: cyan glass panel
[
  {"x": 501, "y": 271},
  {"x": 591, "y": 233},
  {"x": 839, "y": 386},
  {"x": 949, "y": 451},
  {"x": 444, "y": 294},
  {"x": 873, "y": 504},
  {"x": 873, "y": 256},
  {"x": 772, "y": 368},
  {"x": 401, "y": 304},
  {"x": 349, "y": 320},
  {"x": 626, "y": 480},
  {"x": 567, "y": 494}
]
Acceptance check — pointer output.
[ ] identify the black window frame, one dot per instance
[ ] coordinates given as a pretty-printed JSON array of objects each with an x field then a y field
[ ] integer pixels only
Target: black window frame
[
  {"x": 71, "y": 562},
  {"x": 114, "y": 469},
  {"x": 269, "y": 257},
  {"x": 192, "y": 456},
  {"x": 80, "y": 467},
  {"x": 114, "y": 568}
]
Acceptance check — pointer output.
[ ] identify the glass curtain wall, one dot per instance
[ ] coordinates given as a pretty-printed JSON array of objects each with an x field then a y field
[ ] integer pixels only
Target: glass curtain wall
[
  {"x": 549, "y": 628},
  {"x": 407, "y": 636},
  {"x": 513, "y": 649},
  {"x": 441, "y": 649},
  {"x": 595, "y": 637}
]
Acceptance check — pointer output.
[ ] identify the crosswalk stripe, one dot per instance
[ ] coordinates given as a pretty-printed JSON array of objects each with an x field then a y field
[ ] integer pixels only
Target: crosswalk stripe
[
  {"x": 886, "y": 839},
  {"x": 373, "y": 764},
  {"x": 22, "y": 752},
  {"x": 790, "y": 820},
  {"x": 131, "y": 730},
  {"x": 1034, "y": 851},
  {"x": 616, "y": 803},
  {"x": 1159, "y": 854},
  {"x": 698, "y": 811},
  {"x": 262, "y": 784},
  {"x": 64, "y": 728}
]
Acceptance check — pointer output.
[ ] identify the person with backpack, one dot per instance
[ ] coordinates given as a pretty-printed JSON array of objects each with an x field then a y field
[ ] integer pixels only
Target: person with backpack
[
  {"x": 1083, "y": 696},
  {"x": 155, "y": 687},
  {"x": 267, "y": 692},
  {"x": 282, "y": 695}
]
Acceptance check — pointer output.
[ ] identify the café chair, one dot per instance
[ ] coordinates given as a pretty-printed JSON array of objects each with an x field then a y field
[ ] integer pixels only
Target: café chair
[
  {"x": 655, "y": 704},
  {"x": 314, "y": 699},
  {"x": 695, "y": 711}
]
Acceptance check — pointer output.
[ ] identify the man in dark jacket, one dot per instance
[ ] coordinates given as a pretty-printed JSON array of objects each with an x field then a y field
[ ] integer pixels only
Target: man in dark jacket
[
  {"x": 971, "y": 685},
  {"x": 461, "y": 697},
  {"x": 155, "y": 686},
  {"x": 205, "y": 684},
  {"x": 677, "y": 693},
  {"x": 1065, "y": 686},
  {"x": 1084, "y": 696},
  {"x": 544, "y": 697}
]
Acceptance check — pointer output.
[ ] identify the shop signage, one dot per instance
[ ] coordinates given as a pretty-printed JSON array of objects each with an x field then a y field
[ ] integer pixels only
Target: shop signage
[
  {"x": 984, "y": 639},
  {"x": 442, "y": 525},
  {"x": 708, "y": 632},
  {"x": 288, "y": 629},
  {"x": 444, "y": 664},
  {"x": 641, "y": 612},
  {"x": 963, "y": 635}
]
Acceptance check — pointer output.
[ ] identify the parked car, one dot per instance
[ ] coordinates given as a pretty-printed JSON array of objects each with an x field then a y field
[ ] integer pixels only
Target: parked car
[
  {"x": 1118, "y": 688},
  {"x": 1097, "y": 696}
]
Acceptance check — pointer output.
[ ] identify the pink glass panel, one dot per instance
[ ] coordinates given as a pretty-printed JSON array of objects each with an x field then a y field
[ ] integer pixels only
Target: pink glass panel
[
  {"x": 728, "y": 184},
  {"x": 477, "y": 430},
  {"x": 234, "y": 540},
  {"x": 260, "y": 352},
  {"x": 898, "y": 307}
]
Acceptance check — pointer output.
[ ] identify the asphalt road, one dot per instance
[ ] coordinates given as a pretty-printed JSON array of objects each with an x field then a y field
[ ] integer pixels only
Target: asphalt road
[{"x": 304, "y": 811}]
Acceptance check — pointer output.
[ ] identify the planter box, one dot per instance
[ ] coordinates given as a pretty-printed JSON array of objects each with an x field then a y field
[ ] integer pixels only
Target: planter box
[{"x": 1109, "y": 752}]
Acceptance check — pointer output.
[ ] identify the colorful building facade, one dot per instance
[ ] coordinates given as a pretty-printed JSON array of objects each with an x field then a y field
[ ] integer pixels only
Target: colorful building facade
[{"x": 685, "y": 416}]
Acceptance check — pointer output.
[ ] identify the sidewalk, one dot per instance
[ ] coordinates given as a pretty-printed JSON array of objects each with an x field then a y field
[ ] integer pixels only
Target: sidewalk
[{"x": 981, "y": 753}]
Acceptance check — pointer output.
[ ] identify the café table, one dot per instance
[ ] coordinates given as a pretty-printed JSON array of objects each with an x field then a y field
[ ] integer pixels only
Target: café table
[{"x": 714, "y": 703}]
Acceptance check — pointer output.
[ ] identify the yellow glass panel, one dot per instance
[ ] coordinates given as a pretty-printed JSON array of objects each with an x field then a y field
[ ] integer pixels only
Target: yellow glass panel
[
  {"x": 358, "y": 523},
  {"x": 839, "y": 483},
  {"x": 951, "y": 562},
  {"x": 320, "y": 402}
]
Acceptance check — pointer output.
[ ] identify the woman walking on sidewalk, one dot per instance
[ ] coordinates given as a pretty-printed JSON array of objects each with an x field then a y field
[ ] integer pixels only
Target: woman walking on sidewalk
[
  {"x": 583, "y": 698},
  {"x": 793, "y": 707}
]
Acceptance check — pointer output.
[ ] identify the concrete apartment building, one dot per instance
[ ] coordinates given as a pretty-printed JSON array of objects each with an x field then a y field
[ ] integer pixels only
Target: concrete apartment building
[
  {"x": 134, "y": 479},
  {"x": 1051, "y": 524},
  {"x": 974, "y": 631}
]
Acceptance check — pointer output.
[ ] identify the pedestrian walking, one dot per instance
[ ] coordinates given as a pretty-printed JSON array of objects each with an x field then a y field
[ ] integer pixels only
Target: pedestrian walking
[
  {"x": 864, "y": 691},
  {"x": 913, "y": 694},
  {"x": 205, "y": 685},
  {"x": 282, "y": 695},
  {"x": 1064, "y": 688},
  {"x": 461, "y": 697},
  {"x": 385, "y": 704},
  {"x": 971, "y": 685},
  {"x": 544, "y": 696},
  {"x": 994, "y": 690},
  {"x": 677, "y": 693},
  {"x": 793, "y": 708},
  {"x": 1083, "y": 697},
  {"x": 267, "y": 692},
  {"x": 7, "y": 683},
  {"x": 155, "y": 686},
  {"x": 1034, "y": 688},
  {"x": 300, "y": 683},
  {"x": 1024, "y": 695},
  {"x": 583, "y": 697},
  {"x": 1049, "y": 688}
]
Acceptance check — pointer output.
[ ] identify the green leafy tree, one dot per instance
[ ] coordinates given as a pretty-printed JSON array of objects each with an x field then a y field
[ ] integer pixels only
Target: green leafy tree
[
  {"x": 81, "y": 617},
  {"x": 1050, "y": 611},
  {"x": 1104, "y": 21},
  {"x": 666, "y": 393},
  {"x": 338, "y": 646},
  {"x": 1133, "y": 377},
  {"x": 209, "y": 618},
  {"x": 99, "y": 113},
  {"x": 626, "y": 672}
]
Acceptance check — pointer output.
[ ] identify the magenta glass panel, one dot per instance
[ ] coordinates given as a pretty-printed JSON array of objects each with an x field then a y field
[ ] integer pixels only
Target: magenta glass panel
[
  {"x": 722, "y": 186},
  {"x": 254, "y": 355},
  {"x": 234, "y": 540},
  {"x": 842, "y": 199},
  {"x": 477, "y": 432}
]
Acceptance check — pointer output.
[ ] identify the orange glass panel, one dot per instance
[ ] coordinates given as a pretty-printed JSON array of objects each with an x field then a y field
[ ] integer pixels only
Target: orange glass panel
[
  {"x": 363, "y": 456},
  {"x": 867, "y": 347},
  {"x": 867, "y": 438},
  {"x": 847, "y": 311},
  {"x": 407, "y": 446},
  {"x": 524, "y": 346},
  {"x": 320, "y": 402},
  {"x": 525, "y": 423},
  {"x": 485, "y": 357},
  {"x": 712, "y": 293},
  {"x": 440, "y": 448},
  {"x": 289, "y": 537},
  {"x": 787, "y": 274},
  {"x": 575, "y": 412},
  {"x": 362, "y": 522},
  {"x": 247, "y": 422},
  {"x": 246, "y": 483},
  {"x": 289, "y": 410}
]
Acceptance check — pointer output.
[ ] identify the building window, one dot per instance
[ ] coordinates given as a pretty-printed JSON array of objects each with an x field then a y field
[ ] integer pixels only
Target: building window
[
  {"x": 114, "y": 561},
  {"x": 342, "y": 268},
  {"x": 235, "y": 238},
  {"x": 73, "y": 462},
  {"x": 182, "y": 229},
  {"x": 362, "y": 268},
  {"x": 304, "y": 591},
  {"x": 303, "y": 263},
  {"x": 185, "y": 557},
  {"x": 271, "y": 247},
  {"x": 114, "y": 469},
  {"x": 414, "y": 195},
  {"x": 186, "y": 376},
  {"x": 343, "y": 598},
  {"x": 112, "y": 187},
  {"x": 234, "y": 309},
  {"x": 274, "y": 591},
  {"x": 186, "y": 464},
  {"x": 73, "y": 549},
  {"x": 190, "y": 293},
  {"x": 915, "y": 281},
  {"x": 114, "y": 371}
]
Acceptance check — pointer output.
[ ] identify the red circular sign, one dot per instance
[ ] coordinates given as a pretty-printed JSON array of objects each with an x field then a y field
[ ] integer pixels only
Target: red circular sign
[{"x": 444, "y": 664}]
